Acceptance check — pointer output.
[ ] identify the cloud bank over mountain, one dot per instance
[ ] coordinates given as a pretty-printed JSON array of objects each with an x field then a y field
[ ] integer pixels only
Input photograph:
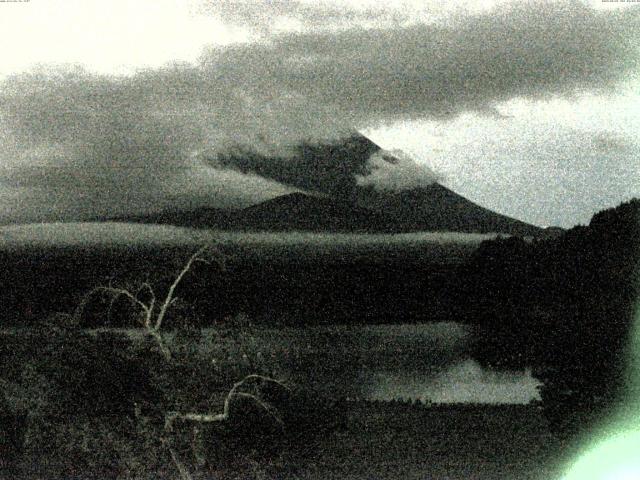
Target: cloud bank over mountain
[
  {"x": 395, "y": 171},
  {"x": 81, "y": 142}
]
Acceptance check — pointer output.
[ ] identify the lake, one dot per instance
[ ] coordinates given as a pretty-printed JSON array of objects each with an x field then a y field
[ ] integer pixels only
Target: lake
[
  {"x": 425, "y": 362},
  {"x": 461, "y": 382},
  {"x": 389, "y": 362}
]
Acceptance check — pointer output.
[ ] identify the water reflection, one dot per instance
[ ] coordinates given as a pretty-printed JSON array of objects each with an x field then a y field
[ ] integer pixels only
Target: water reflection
[
  {"x": 387, "y": 362},
  {"x": 462, "y": 382}
]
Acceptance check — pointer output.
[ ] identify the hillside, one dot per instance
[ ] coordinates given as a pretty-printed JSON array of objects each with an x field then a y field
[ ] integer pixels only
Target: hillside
[
  {"x": 299, "y": 211},
  {"x": 436, "y": 208},
  {"x": 334, "y": 202}
]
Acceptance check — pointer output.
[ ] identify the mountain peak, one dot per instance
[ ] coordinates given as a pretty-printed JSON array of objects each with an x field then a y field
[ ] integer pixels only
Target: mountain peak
[{"x": 340, "y": 203}]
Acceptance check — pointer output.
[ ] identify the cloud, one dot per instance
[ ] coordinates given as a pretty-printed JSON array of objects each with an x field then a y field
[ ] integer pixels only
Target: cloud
[
  {"x": 438, "y": 70},
  {"x": 395, "y": 170},
  {"x": 84, "y": 141},
  {"x": 267, "y": 17},
  {"x": 607, "y": 142},
  {"x": 277, "y": 16},
  {"x": 550, "y": 163},
  {"x": 325, "y": 167},
  {"x": 79, "y": 145}
]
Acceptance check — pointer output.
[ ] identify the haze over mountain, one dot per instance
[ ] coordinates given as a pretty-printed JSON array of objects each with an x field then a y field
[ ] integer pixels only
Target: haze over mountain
[{"x": 345, "y": 191}]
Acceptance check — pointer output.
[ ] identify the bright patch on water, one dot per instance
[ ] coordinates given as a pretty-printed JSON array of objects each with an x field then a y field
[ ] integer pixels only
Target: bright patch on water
[{"x": 462, "y": 382}]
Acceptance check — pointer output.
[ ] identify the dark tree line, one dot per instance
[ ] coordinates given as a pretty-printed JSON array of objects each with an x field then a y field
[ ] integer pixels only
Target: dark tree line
[
  {"x": 286, "y": 288},
  {"x": 564, "y": 305}
]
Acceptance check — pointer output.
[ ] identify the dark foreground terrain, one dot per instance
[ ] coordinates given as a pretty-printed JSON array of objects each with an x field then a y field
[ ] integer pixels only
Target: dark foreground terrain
[
  {"x": 393, "y": 441},
  {"x": 396, "y": 441},
  {"x": 81, "y": 404}
]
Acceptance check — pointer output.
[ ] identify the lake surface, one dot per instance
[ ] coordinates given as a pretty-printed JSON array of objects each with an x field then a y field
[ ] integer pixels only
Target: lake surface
[
  {"x": 428, "y": 362},
  {"x": 389, "y": 362},
  {"x": 461, "y": 382}
]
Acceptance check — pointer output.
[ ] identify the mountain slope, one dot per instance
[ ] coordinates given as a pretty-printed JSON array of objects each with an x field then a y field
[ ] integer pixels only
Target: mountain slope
[
  {"x": 436, "y": 208},
  {"x": 298, "y": 211},
  {"x": 341, "y": 205}
]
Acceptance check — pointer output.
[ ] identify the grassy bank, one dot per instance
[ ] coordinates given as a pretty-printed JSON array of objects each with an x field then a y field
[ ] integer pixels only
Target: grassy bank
[{"x": 85, "y": 404}]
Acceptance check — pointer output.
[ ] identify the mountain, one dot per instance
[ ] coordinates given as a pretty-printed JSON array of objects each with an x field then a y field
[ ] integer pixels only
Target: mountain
[
  {"x": 295, "y": 211},
  {"x": 299, "y": 211},
  {"x": 432, "y": 208},
  {"x": 336, "y": 203},
  {"x": 436, "y": 208}
]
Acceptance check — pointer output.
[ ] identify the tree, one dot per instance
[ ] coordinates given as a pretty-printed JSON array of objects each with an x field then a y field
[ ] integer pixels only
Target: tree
[
  {"x": 236, "y": 392},
  {"x": 151, "y": 314}
]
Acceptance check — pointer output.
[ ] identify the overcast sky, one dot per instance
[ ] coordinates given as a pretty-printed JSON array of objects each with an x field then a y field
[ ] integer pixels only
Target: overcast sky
[{"x": 529, "y": 108}]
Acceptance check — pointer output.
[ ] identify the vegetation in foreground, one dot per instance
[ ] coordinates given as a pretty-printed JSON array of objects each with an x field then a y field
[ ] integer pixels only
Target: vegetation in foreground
[
  {"x": 104, "y": 404},
  {"x": 95, "y": 405}
]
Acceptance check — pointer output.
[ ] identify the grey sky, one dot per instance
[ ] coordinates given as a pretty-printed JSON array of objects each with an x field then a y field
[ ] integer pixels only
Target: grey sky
[{"x": 529, "y": 108}]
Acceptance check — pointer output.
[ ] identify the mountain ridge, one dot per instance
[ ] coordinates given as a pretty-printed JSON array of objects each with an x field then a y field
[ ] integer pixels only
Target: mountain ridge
[
  {"x": 400, "y": 212},
  {"x": 329, "y": 199}
]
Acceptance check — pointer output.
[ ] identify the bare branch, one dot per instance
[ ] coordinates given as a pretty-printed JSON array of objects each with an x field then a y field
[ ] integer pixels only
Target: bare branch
[
  {"x": 149, "y": 288},
  {"x": 161, "y": 343},
  {"x": 171, "y": 417},
  {"x": 202, "y": 260},
  {"x": 152, "y": 302},
  {"x": 169, "y": 298},
  {"x": 115, "y": 293},
  {"x": 266, "y": 406},
  {"x": 123, "y": 292},
  {"x": 233, "y": 393},
  {"x": 261, "y": 378},
  {"x": 246, "y": 380},
  {"x": 151, "y": 325}
]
